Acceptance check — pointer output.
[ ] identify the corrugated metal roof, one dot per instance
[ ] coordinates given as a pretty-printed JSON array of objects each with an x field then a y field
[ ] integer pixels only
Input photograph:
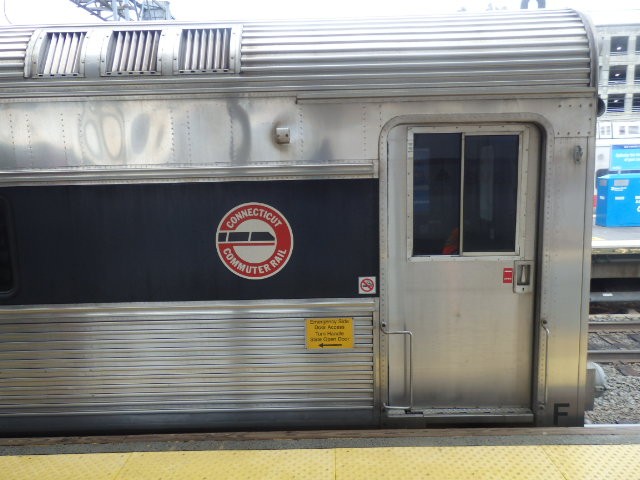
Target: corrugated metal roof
[
  {"x": 516, "y": 49},
  {"x": 523, "y": 51},
  {"x": 13, "y": 45}
]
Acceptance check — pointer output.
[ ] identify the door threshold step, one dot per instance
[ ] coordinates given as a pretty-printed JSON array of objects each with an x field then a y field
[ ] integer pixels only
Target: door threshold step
[{"x": 462, "y": 415}]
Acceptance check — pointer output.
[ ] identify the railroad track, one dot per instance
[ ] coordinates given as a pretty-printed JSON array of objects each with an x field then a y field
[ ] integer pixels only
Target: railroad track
[
  {"x": 620, "y": 333},
  {"x": 614, "y": 323}
]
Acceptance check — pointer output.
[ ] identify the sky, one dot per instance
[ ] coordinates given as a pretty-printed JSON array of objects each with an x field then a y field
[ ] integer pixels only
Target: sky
[{"x": 63, "y": 11}]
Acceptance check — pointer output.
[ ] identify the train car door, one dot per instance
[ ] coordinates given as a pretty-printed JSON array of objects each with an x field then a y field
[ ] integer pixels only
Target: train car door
[{"x": 458, "y": 282}]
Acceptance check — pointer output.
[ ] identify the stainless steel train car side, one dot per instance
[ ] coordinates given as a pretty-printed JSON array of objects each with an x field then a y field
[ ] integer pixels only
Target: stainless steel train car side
[{"x": 295, "y": 224}]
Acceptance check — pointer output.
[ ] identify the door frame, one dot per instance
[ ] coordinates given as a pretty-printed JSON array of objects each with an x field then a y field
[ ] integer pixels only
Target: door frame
[{"x": 468, "y": 124}]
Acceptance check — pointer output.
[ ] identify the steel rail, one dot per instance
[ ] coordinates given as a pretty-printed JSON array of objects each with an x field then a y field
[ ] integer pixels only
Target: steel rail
[
  {"x": 614, "y": 355},
  {"x": 614, "y": 297},
  {"x": 614, "y": 326}
]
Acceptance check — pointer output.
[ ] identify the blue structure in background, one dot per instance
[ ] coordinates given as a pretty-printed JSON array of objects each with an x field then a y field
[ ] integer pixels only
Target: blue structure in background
[
  {"x": 618, "y": 200},
  {"x": 625, "y": 157},
  {"x": 619, "y": 193}
]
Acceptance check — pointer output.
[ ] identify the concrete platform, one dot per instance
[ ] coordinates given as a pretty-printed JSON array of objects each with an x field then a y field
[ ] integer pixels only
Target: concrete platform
[{"x": 621, "y": 240}]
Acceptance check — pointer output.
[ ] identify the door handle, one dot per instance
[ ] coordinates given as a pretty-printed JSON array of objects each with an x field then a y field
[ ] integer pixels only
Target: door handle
[
  {"x": 409, "y": 407},
  {"x": 523, "y": 281}
]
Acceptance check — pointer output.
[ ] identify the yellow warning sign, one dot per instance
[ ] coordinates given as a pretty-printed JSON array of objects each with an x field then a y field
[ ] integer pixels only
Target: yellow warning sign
[{"x": 330, "y": 333}]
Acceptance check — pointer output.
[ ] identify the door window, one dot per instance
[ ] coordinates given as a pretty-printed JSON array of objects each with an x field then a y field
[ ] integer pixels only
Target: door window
[{"x": 464, "y": 199}]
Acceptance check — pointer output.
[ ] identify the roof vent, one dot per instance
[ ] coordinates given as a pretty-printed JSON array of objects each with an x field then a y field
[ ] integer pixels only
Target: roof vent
[
  {"x": 60, "y": 54},
  {"x": 205, "y": 50},
  {"x": 133, "y": 52}
]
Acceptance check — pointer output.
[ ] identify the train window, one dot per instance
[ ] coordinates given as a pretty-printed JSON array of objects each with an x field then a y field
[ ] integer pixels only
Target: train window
[
  {"x": 490, "y": 193},
  {"x": 436, "y": 190},
  {"x": 465, "y": 194},
  {"x": 7, "y": 263}
]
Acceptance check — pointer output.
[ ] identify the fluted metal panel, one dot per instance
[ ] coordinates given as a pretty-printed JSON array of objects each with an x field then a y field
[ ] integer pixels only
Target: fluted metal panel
[
  {"x": 548, "y": 48},
  {"x": 13, "y": 47},
  {"x": 162, "y": 360},
  {"x": 133, "y": 52}
]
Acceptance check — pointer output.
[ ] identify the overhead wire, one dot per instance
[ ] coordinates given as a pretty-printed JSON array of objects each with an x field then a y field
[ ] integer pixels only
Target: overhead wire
[{"x": 4, "y": 12}]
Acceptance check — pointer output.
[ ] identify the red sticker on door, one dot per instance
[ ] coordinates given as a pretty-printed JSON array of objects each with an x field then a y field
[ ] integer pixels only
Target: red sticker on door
[
  {"x": 507, "y": 275},
  {"x": 254, "y": 241}
]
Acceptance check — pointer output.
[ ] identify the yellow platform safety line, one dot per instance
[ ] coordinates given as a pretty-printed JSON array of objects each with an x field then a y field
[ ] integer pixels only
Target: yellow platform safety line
[
  {"x": 97, "y": 466},
  {"x": 596, "y": 461},
  {"x": 447, "y": 463},
  {"x": 549, "y": 462}
]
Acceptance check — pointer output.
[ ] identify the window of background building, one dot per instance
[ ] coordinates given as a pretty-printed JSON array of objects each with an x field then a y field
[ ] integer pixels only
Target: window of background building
[
  {"x": 638, "y": 44},
  {"x": 617, "y": 74},
  {"x": 604, "y": 129},
  {"x": 635, "y": 106},
  {"x": 637, "y": 75},
  {"x": 615, "y": 103},
  {"x": 619, "y": 45}
]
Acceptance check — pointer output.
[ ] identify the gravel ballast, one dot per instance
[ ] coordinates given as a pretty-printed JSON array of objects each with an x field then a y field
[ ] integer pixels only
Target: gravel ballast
[{"x": 620, "y": 402}]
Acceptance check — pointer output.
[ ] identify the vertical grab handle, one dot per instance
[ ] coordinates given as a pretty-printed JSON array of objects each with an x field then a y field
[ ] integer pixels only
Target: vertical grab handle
[
  {"x": 546, "y": 361},
  {"x": 384, "y": 330}
]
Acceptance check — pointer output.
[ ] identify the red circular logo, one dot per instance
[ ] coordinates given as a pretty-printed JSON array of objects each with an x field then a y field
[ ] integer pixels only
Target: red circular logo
[{"x": 254, "y": 241}]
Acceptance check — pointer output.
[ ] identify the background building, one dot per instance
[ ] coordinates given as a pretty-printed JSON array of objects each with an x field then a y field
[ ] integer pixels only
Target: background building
[{"x": 618, "y": 136}]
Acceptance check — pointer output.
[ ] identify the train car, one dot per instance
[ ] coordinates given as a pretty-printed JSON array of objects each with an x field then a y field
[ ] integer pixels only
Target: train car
[{"x": 353, "y": 223}]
